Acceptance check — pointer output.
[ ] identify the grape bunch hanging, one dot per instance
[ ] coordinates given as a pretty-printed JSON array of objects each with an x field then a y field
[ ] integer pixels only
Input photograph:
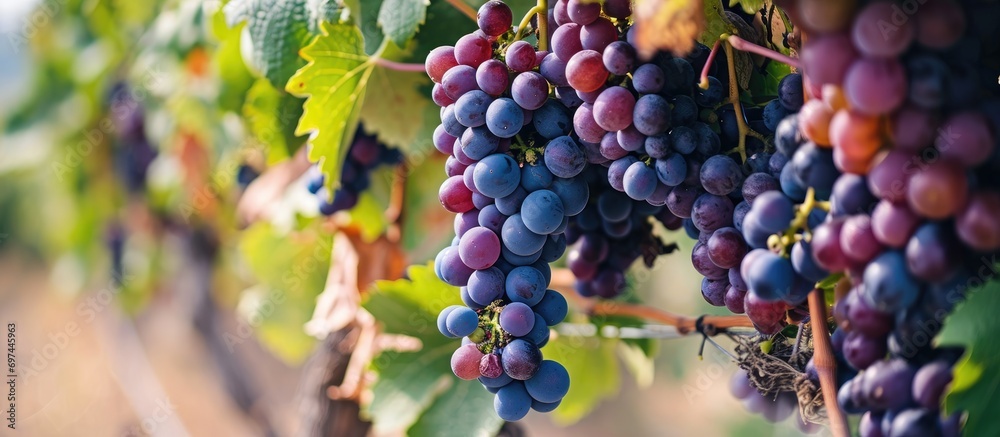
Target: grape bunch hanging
[{"x": 852, "y": 171}]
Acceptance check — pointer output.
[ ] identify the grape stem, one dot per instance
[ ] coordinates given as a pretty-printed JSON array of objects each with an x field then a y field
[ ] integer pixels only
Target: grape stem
[
  {"x": 543, "y": 25},
  {"x": 562, "y": 280},
  {"x": 464, "y": 9},
  {"x": 703, "y": 83},
  {"x": 800, "y": 222},
  {"x": 826, "y": 366},
  {"x": 747, "y": 46},
  {"x": 400, "y": 66},
  {"x": 541, "y": 11},
  {"x": 734, "y": 99}
]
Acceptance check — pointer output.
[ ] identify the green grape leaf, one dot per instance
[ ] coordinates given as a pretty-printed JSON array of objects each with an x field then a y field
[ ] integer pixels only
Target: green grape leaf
[
  {"x": 593, "y": 372},
  {"x": 465, "y": 409},
  {"x": 417, "y": 390},
  {"x": 365, "y": 14},
  {"x": 369, "y": 216},
  {"x": 976, "y": 387},
  {"x": 764, "y": 82},
  {"x": 289, "y": 268},
  {"x": 396, "y": 107},
  {"x": 716, "y": 23},
  {"x": 334, "y": 83},
  {"x": 277, "y": 30},
  {"x": 749, "y": 6},
  {"x": 400, "y": 19},
  {"x": 271, "y": 115}
]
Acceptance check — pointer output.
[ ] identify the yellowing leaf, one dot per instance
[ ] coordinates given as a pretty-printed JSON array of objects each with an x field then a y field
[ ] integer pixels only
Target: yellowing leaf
[
  {"x": 334, "y": 82},
  {"x": 669, "y": 25}
]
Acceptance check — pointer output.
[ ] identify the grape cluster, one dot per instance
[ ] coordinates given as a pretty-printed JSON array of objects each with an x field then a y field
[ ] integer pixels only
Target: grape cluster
[
  {"x": 365, "y": 154},
  {"x": 134, "y": 153},
  {"x": 610, "y": 234},
  {"x": 514, "y": 182},
  {"x": 901, "y": 136}
]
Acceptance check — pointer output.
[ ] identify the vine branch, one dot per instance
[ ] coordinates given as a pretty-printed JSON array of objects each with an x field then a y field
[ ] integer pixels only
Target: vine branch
[
  {"x": 464, "y": 9},
  {"x": 562, "y": 280},
  {"x": 400, "y": 66},
  {"x": 826, "y": 366}
]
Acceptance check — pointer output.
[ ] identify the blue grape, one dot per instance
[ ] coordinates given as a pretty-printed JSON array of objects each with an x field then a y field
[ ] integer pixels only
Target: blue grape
[
  {"x": 554, "y": 248},
  {"x": 711, "y": 96},
  {"x": 651, "y": 115},
  {"x": 529, "y": 90},
  {"x": 462, "y": 321},
  {"x": 574, "y": 194},
  {"x": 804, "y": 263},
  {"x": 442, "y": 321},
  {"x": 491, "y": 218},
  {"x": 450, "y": 123},
  {"x": 564, "y": 157},
  {"x": 813, "y": 167},
  {"x": 552, "y": 308},
  {"x": 535, "y": 177},
  {"x": 648, "y": 79},
  {"x": 521, "y": 359},
  {"x": 770, "y": 276},
  {"x": 497, "y": 382},
  {"x": 512, "y": 402},
  {"x": 757, "y": 184},
  {"x": 543, "y": 407},
  {"x": 517, "y": 319},
  {"x": 639, "y": 181},
  {"x": 539, "y": 333},
  {"x": 518, "y": 239},
  {"x": 619, "y": 57},
  {"x": 776, "y": 211},
  {"x": 630, "y": 139},
  {"x": 671, "y": 170},
  {"x": 486, "y": 286},
  {"x": 504, "y": 118},
  {"x": 851, "y": 195},
  {"x": 684, "y": 139},
  {"x": 657, "y": 146},
  {"x": 478, "y": 142},
  {"x": 511, "y": 203},
  {"x": 889, "y": 287},
  {"x": 551, "y": 120},
  {"x": 497, "y": 175},
  {"x": 789, "y": 185},
  {"x": 709, "y": 142},
  {"x": 616, "y": 172},
  {"x": 452, "y": 271},
  {"x": 774, "y": 113},
  {"x": 720, "y": 175},
  {"x": 550, "y": 383},
  {"x": 710, "y": 212},
  {"x": 790, "y": 92},
  {"x": 470, "y": 109},
  {"x": 787, "y": 137},
  {"x": 542, "y": 212},
  {"x": 519, "y": 260},
  {"x": 525, "y": 284}
]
